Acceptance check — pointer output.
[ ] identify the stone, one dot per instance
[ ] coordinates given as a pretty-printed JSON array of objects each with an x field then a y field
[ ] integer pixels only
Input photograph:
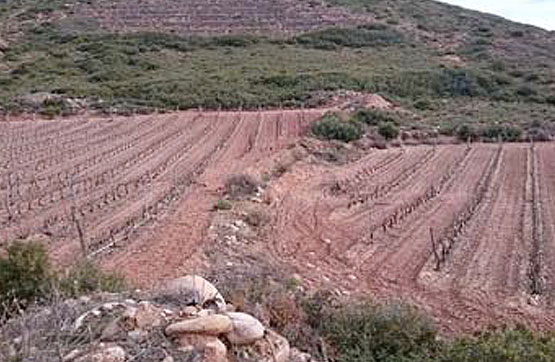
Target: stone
[
  {"x": 190, "y": 311},
  {"x": 138, "y": 335},
  {"x": 212, "y": 325},
  {"x": 273, "y": 348},
  {"x": 72, "y": 355},
  {"x": 195, "y": 290},
  {"x": 3, "y": 45},
  {"x": 298, "y": 356},
  {"x": 168, "y": 359},
  {"x": 113, "y": 332},
  {"x": 149, "y": 316},
  {"x": 212, "y": 349},
  {"x": 105, "y": 354},
  {"x": 246, "y": 329}
]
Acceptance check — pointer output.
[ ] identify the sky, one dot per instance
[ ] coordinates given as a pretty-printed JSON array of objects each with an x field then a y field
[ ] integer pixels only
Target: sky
[{"x": 535, "y": 12}]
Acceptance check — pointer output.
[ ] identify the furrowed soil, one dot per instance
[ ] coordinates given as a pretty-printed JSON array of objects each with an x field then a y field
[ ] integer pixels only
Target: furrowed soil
[{"x": 463, "y": 231}]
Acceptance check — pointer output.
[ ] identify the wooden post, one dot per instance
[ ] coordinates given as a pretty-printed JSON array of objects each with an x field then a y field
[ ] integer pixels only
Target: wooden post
[{"x": 434, "y": 249}]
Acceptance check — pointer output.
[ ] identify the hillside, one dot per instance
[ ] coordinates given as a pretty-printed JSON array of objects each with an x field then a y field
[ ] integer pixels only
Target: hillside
[
  {"x": 318, "y": 161},
  {"x": 444, "y": 64}
]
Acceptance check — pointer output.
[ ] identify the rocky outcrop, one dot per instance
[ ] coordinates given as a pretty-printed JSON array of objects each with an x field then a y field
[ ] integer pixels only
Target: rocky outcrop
[{"x": 200, "y": 327}]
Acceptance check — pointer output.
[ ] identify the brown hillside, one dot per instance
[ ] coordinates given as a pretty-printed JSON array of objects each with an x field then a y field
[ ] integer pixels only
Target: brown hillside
[{"x": 217, "y": 16}]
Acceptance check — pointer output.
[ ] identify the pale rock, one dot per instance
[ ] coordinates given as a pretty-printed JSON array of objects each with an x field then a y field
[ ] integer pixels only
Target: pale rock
[
  {"x": 138, "y": 335},
  {"x": 205, "y": 312},
  {"x": 273, "y": 347},
  {"x": 105, "y": 354},
  {"x": 298, "y": 356},
  {"x": 190, "y": 311},
  {"x": 168, "y": 359},
  {"x": 212, "y": 325},
  {"x": 112, "y": 332},
  {"x": 72, "y": 355},
  {"x": 211, "y": 347},
  {"x": 148, "y": 316},
  {"x": 246, "y": 329},
  {"x": 195, "y": 289}
]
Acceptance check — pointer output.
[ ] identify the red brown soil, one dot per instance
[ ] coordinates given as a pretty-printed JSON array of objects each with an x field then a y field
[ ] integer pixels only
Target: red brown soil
[{"x": 144, "y": 190}]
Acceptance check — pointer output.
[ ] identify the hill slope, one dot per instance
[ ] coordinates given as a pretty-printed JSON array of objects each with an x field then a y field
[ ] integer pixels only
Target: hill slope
[{"x": 446, "y": 65}]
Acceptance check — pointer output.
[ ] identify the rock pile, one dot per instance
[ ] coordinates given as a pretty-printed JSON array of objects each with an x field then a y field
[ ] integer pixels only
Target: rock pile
[{"x": 193, "y": 319}]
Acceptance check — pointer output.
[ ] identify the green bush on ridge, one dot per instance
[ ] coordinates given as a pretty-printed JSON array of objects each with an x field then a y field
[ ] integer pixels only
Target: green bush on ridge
[
  {"x": 333, "y": 127},
  {"x": 26, "y": 276}
]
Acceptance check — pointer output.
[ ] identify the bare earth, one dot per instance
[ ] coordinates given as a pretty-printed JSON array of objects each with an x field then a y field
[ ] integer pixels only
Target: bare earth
[{"x": 143, "y": 190}]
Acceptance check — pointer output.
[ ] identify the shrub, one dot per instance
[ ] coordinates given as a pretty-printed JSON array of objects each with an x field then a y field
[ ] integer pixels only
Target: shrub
[
  {"x": 332, "y": 127},
  {"x": 423, "y": 104},
  {"x": 466, "y": 132},
  {"x": 388, "y": 130},
  {"x": 223, "y": 205},
  {"x": 505, "y": 133},
  {"x": 358, "y": 37},
  {"x": 241, "y": 186},
  {"x": 526, "y": 91},
  {"x": 25, "y": 273},
  {"x": 373, "y": 333},
  {"x": 87, "y": 278},
  {"x": 512, "y": 345},
  {"x": 26, "y": 277},
  {"x": 373, "y": 117}
]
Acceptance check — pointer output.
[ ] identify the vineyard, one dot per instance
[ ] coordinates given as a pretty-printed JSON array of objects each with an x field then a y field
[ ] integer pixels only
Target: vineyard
[
  {"x": 216, "y": 16},
  {"x": 464, "y": 230},
  {"x": 89, "y": 184}
]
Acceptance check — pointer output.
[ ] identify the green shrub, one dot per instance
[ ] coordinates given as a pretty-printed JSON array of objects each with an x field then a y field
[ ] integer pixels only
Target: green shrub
[
  {"x": 505, "y": 133},
  {"x": 466, "y": 132},
  {"x": 358, "y": 37},
  {"x": 374, "y": 333},
  {"x": 526, "y": 91},
  {"x": 373, "y": 117},
  {"x": 25, "y": 273},
  {"x": 26, "y": 277},
  {"x": 332, "y": 127},
  {"x": 86, "y": 278},
  {"x": 223, "y": 205},
  {"x": 388, "y": 130},
  {"x": 512, "y": 345},
  {"x": 241, "y": 186},
  {"x": 423, "y": 104}
]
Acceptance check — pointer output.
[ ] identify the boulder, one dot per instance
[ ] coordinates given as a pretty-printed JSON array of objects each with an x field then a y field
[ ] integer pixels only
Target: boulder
[
  {"x": 211, "y": 348},
  {"x": 246, "y": 329},
  {"x": 212, "y": 325},
  {"x": 194, "y": 290}
]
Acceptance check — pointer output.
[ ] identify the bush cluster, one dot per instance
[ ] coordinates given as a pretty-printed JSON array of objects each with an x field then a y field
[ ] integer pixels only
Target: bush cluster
[
  {"x": 333, "y": 127},
  {"x": 26, "y": 276},
  {"x": 373, "y": 35},
  {"x": 374, "y": 117}
]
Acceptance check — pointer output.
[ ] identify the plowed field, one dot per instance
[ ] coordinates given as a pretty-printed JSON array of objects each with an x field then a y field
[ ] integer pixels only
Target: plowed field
[{"x": 467, "y": 232}]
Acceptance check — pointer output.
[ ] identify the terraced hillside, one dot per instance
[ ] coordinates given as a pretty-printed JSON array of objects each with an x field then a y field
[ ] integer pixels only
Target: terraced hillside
[{"x": 220, "y": 16}]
